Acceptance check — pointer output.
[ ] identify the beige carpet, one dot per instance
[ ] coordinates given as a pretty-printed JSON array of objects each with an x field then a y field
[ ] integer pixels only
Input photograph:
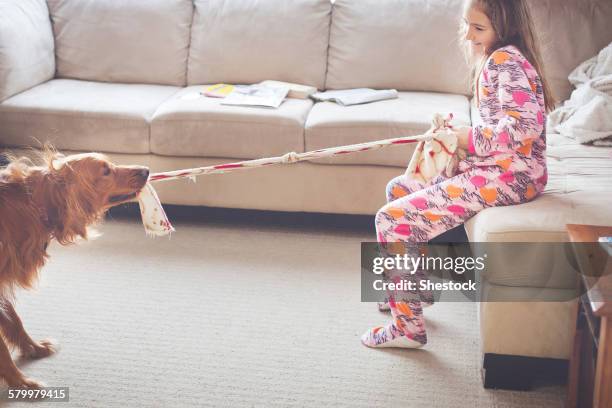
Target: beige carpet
[{"x": 242, "y": 309}]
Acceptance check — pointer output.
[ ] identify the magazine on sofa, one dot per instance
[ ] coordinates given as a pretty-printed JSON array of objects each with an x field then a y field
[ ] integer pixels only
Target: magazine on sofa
[
  {"x": 257, "y": 95},
  {"x": 356, "y": 96},
  {"x": 218, "y": 90},
  {"x": 297, "y": 91}
]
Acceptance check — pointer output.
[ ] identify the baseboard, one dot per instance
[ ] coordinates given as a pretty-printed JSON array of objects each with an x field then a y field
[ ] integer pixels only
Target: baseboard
[{"x": 520, "y": 372}]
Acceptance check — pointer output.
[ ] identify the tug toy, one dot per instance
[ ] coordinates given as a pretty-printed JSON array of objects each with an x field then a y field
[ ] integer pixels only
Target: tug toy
[{"x": 436, "y": 153}]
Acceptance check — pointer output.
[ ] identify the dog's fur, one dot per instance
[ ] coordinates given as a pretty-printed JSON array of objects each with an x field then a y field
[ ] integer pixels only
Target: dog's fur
[{"x": 58, "y": 200}]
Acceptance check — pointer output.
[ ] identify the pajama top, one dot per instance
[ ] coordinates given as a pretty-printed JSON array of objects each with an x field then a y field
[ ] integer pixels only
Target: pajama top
[
  {"x": 506, "y": 164},
  {"x": 510, "y": 130}
]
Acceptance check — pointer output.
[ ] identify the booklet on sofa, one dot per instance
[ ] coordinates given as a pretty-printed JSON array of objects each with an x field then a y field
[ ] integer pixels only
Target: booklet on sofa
[
  {"x": 218, "y": 90},
  {"x": 296, "y": 91},
  {"x": 256, "y": 95},
  {"x": 356, "y": 96}
]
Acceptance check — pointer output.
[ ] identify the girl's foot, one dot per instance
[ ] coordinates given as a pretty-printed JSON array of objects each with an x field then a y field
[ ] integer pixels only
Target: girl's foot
[
  {"x": 384, "y": 306},
  {"x": 391, "y": 336}
]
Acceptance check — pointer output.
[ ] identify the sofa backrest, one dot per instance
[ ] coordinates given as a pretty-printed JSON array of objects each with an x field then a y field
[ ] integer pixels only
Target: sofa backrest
[
  {"x": 413, "y": 44},
  {"x": 570, "y": 32},
  {"x": 247, "y": 41},
  {"x": 26, "y": 46},
  {"x": 136, "y": 41},
  {"x": 402, "y": 44}
]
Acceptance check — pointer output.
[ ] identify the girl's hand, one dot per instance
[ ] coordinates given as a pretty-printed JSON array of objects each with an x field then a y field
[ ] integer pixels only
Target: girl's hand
[{"x": 463, "y": 137}]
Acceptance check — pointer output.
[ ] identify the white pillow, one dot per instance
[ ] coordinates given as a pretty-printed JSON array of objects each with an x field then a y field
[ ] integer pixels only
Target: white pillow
[
  {"x": 136, "y": 41},
  {"x": 409, "y": 45},
  {"x": 26, "y": 46},
  {"x": 249, "y": 41}
]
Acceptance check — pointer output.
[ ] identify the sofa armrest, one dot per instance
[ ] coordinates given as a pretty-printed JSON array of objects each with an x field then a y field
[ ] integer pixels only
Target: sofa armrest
[{"x": 27, "y": 56}]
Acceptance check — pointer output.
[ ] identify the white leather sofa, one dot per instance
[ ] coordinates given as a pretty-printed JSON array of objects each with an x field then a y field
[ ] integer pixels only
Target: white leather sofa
[{"x": 107, "y": 75}]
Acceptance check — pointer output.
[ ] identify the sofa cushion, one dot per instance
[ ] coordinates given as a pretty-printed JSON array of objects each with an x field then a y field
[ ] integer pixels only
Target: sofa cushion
[
  {"x": 204, "y": 127},
  {"x": 527, "y": 266},
  {"x": 249, "y": 41},
  {"x": 79, "y": 115},
  {"x": 137, "y": 41},
  {"x": 579, "y": 191},
  {"x": 408, "y": 45},
  {"x": 26, "y": 46},
  {"x": 532, "y": 329},
  {"x": 330, "y": 124}
]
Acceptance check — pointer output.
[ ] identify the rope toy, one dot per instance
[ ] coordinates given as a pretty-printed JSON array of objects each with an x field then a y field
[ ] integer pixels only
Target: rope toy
[
  {"x": 440, "y": 155},
  {"x": 437, "y": 151}
]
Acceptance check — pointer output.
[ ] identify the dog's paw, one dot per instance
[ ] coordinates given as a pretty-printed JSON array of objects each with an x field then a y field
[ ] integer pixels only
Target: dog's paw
[
  {"x": 26, "y": 383},
  {"x": 33, "y": 384},
  {"x": 41, "y": 349}
]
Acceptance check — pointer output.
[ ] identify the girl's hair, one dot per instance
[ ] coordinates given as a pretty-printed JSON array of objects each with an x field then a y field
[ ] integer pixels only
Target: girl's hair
[{"x": 512, "y": 24}]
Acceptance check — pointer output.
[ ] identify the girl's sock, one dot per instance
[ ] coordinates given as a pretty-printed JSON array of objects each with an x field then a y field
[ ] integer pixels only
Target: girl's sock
[
  {"x": 384, "y": 306},
  {"x": 407, "y": 330},
  {"x": 388, "y": 336}
]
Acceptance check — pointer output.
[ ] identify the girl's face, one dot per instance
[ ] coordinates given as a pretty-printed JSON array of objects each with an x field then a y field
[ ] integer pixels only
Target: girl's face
[{"x": 480, "y": 32}]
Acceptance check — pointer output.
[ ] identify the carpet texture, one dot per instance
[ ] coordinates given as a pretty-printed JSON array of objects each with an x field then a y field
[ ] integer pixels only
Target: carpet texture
[{"x": 241, "y": 310}]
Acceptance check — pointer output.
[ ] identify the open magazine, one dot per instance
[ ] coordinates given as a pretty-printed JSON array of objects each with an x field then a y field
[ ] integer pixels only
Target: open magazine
[
  {"x": 356, "y": 96},
  {"x": 257, "y": 95},
  {"x": 296, "y": 91},
  {"x": 218, "y": 90}
]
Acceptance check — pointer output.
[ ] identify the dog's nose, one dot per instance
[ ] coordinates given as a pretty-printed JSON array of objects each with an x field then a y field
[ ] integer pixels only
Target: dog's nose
[{"x": 144, "y": 173}]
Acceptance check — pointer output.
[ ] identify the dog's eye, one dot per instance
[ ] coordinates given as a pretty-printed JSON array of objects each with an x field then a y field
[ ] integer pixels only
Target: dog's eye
[{"x": 106, "y": 170}]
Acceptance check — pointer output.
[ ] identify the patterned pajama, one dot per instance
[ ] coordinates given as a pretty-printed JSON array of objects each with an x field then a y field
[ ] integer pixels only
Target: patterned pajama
[{"x": 506, "y": 166}]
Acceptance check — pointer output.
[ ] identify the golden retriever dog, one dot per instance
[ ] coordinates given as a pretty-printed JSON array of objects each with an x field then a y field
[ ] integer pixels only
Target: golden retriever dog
[{"x": 58, "y": 200}]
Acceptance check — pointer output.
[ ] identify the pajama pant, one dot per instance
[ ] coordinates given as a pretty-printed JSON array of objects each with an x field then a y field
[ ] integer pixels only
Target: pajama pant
[{"x": 416, "y": 213}]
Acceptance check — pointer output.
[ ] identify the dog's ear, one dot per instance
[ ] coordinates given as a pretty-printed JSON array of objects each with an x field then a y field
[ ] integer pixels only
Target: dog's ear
[
  {"x": 56, "y": 164},
  {"x": 60, "y": 168},
  {"x": 54, "y": 159}
]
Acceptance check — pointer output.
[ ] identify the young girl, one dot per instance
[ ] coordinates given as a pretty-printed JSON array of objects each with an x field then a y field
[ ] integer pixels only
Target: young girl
[{"x": 506, "y": 161}]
